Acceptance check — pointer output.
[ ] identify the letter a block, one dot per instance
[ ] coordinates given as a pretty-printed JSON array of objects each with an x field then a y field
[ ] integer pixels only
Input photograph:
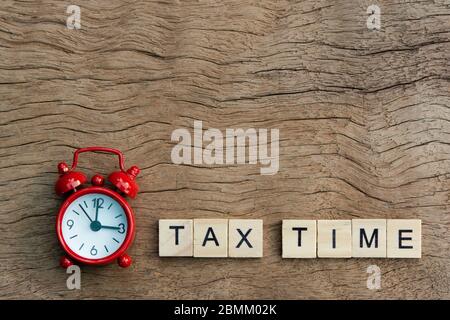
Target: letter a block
[
  {"x": 210, "y": 238},
  {"x": 334, "y": 238},
  {"x": 299, "y": 238},
  {"x": 175, "y": 238},
  {"x": 369, "y": 238},
  {"x": 404, "y": 238},
  {"x": 245, "y": 238}
]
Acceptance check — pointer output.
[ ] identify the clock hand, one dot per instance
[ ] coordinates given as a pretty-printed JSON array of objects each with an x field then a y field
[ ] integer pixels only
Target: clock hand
[
  {"x": 110, "y": 227},
  {"x": 96, "y": 212},
  {"x": 86, "y": 213}
]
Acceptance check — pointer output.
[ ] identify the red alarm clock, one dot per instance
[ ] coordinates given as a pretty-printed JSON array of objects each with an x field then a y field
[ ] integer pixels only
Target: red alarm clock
[{"x": 95, "y": 224}]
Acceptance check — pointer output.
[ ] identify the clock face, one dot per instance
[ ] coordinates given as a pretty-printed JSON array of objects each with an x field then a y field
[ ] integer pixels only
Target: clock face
[{"x": 94, "y": 226}]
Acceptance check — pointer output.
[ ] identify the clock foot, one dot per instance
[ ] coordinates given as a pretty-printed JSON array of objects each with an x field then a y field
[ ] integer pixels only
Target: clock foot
[
  {"x": 65, "y": 262},
  {"x": 124, "y": 261}
]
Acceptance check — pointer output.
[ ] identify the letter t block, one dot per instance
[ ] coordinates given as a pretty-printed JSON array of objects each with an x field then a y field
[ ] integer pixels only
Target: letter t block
[
  {"x": 299, "y": 239},
  {"x": 176, "y": 238}
]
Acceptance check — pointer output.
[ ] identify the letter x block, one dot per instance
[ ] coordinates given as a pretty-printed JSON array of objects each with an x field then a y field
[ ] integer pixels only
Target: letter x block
[
  {"x": 210, "y": 238},
  {"x": 245, "y": 238},
  {"x": 175, "y": 238}
]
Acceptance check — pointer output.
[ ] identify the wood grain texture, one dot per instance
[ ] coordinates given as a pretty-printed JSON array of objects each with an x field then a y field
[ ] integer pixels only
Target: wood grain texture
[{"x": 364, "y": 120}]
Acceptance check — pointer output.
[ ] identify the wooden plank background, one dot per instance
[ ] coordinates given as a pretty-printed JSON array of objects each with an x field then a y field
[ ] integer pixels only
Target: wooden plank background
[{"x": 364, "y": 120}]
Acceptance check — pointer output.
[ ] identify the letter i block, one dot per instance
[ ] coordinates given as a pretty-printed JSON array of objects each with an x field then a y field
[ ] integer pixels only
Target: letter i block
[
  {"x": 404, "y": 238},
  {"x": 176, "y": 238},
  {"x": 210, "y": 238},
  {"x": 245, "y": 238},
  {"x": 369, "y": 238},
  {"x": 299, "y": 238},
  {"x": 334, "y": 238}
]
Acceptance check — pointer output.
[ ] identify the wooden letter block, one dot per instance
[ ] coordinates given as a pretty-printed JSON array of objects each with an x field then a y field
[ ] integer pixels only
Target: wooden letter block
[
  {"x": 369, "y": 238},
  {"x": 211, "y": 238},
  {"x": 245, "y": 238},
  {"x": 176, "y": 238},
  {"x": 334, "y": 238},
  {"x": 404, "y": 238},
  {"x": 299, "y": 239}
]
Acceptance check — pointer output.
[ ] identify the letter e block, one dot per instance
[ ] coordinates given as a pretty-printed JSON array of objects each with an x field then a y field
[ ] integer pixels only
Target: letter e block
[
  {"x": 299, "y": 239},
  {"x": 210, "y": 238},
  {"x": 334, "y": 238},
  {"x": 404, "y": 238},
  {"x": 176, "y": 238},
  {"x": 369, "y": 238},
  {"x": 245, "y": 238}
]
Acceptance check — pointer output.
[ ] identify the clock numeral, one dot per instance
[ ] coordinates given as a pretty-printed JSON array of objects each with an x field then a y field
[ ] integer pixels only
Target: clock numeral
[
  {"x": 121, "y": 228},
  {"x": 98, "y": 202},
  {"x": 70, "y": 224},
  {"x": 93, "y": 251}
]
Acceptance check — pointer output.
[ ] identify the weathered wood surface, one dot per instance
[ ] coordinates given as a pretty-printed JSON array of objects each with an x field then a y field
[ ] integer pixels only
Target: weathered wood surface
[{"x": 364, "y": 119}]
